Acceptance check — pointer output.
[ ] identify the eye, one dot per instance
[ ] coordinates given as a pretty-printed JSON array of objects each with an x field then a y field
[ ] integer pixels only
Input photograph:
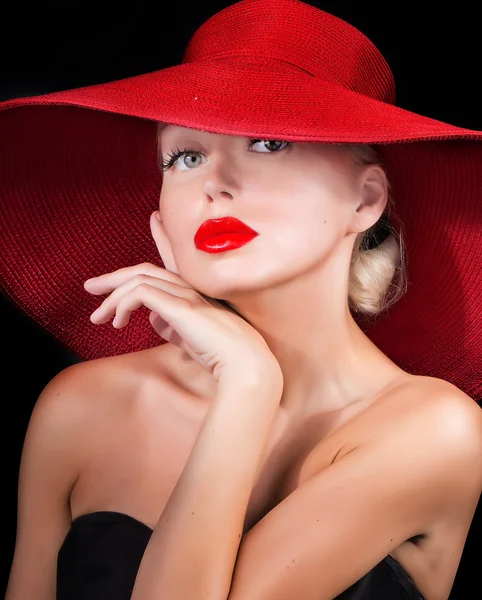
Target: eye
[
  {"x": 270, "y": 143},
  {"x": 175, "y": 155},
  {"x": 270, "y": 147}
]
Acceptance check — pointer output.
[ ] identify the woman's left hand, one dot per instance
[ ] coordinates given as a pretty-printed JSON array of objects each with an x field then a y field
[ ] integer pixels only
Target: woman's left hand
[{"x": 214, "y": 335}]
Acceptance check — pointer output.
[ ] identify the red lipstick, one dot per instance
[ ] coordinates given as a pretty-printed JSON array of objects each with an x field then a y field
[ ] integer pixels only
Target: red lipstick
[{"x": 219, "y": 235}]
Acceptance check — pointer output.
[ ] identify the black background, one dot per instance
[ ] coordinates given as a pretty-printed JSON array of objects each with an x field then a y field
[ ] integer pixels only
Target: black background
[{"x": 434, "y": 54}]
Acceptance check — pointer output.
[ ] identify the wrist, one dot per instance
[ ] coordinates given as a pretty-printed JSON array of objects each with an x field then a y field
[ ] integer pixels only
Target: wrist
[{"x": 263, "y": 377}]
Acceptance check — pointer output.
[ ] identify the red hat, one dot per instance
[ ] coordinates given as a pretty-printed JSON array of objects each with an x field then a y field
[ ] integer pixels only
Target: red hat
[{"x": 79, "y": 178}]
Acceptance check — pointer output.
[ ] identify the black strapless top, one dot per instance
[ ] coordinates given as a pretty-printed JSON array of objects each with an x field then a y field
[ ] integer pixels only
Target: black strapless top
[{"x": 102, "y": 552}]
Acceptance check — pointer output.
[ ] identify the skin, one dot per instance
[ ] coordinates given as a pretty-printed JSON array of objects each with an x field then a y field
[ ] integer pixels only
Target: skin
[
  {"x": 335, "y": 446},
  {"x": 308, "y": 202}
]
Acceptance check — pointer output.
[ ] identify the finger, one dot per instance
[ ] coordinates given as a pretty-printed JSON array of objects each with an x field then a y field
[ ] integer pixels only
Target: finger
[
  {"x": 109, "y": 306},
  {"x": 151, "y": 297},
  {"x": 106, "y": 283},
  {"x": 192, "y": 326}
]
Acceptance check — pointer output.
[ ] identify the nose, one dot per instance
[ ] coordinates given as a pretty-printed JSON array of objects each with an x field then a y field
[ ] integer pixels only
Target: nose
[{"x": 222, "y": 178}]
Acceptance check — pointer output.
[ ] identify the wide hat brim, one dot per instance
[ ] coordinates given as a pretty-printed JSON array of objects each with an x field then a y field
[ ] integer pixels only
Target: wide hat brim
[{"x": 79, "y": 179}]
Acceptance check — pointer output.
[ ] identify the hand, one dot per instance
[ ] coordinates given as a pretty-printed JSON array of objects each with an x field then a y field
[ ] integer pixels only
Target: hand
[{"x": 211, "y": 333}]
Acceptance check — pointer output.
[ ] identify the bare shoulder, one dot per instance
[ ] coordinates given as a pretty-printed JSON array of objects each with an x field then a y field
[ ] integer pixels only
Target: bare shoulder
[
  {"x": 81, "y": 392},
  {"x": 450, "y": 410},
  {"x": 102, "y": 377},
  {"x": 442, "y": 422},
  {"x": 157, "y": 384}
]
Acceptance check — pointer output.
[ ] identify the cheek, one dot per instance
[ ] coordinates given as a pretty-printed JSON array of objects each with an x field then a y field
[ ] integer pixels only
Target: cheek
[
  {"x": 177, "y": 230},
  {"x": 307, "y": 218},
  {"x": 304, "y": 239},
  {"x": 176, "y": 215}
]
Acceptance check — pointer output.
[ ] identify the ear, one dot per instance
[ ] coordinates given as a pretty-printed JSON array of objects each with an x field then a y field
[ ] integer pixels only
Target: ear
[
  {"x": 162, "y": 243},
  {"x": 372, "y": 198}
]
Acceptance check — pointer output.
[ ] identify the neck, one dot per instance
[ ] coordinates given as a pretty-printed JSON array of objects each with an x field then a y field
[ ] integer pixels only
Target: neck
[{"x": 326, "y": 359}]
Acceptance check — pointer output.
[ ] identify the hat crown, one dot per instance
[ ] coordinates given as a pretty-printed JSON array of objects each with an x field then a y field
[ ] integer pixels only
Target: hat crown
[{"x": 297, "y": 34}]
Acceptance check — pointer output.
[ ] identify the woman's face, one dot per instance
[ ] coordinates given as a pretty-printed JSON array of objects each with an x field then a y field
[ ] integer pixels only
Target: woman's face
[{"x": 301, "y": 198}]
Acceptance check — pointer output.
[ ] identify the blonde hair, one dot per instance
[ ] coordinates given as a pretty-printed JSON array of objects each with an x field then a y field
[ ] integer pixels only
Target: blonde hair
[{"x": 378, "y": 272}]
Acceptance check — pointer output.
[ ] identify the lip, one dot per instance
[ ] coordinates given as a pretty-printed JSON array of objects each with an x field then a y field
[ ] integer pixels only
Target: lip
[
  {"x": 224, "y": 242},
  {"x": 228, "y": 230}
]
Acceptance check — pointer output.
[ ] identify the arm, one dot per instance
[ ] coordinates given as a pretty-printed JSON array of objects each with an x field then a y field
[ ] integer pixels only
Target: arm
[
  {"x": 330, "y": 531},
  {"x": 47, "y": 474},
  {"x": 193, "y": 549},
  {"x": 424, "y": 469}
]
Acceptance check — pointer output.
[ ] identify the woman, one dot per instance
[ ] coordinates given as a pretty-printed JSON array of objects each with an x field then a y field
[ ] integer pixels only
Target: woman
[{"x": 308, "y": 430}]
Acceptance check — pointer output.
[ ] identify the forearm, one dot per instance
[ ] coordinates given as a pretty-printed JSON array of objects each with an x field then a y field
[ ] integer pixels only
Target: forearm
[{"x": 193, "y": 550}]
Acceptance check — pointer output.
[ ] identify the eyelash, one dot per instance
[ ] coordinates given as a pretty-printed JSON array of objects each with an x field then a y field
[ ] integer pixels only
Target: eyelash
[{"x": 177, "y": 153}]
